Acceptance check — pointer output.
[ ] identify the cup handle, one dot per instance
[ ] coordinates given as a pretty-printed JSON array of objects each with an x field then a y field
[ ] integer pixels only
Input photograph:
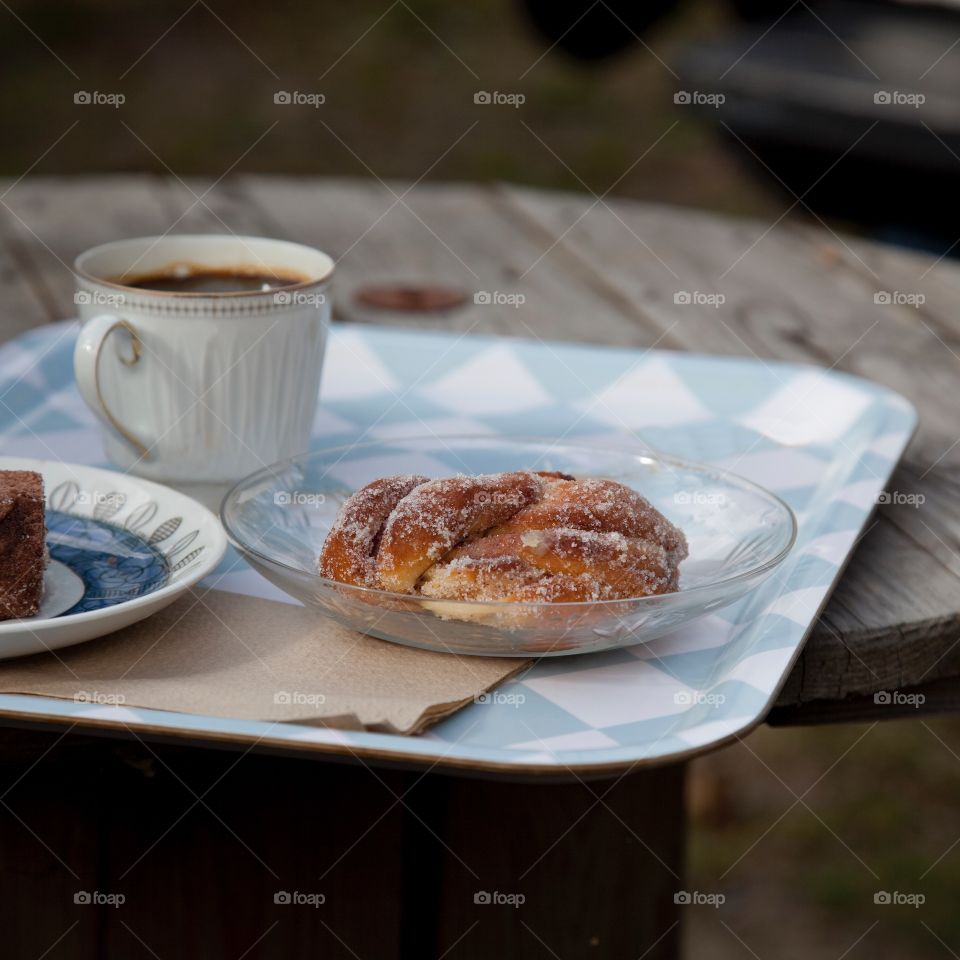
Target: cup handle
[{"x": 86, "y": 366}]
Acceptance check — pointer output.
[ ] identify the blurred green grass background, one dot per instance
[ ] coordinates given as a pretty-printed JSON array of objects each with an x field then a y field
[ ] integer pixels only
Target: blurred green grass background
[
  {"x": 399, "y": 82},
  {"x": 800, "y": 876}
]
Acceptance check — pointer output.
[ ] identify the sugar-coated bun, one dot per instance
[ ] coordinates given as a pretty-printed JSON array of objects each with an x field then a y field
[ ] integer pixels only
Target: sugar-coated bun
[{"x": 522, "y": 536}]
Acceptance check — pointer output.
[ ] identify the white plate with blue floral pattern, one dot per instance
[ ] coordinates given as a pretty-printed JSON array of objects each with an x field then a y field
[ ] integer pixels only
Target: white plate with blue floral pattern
[{"x": 121, "y": 548}]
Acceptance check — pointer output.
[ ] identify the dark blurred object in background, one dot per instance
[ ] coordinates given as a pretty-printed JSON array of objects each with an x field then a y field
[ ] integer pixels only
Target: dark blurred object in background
[
  {"x": 853, "y": 107},
  {"x": 594, "y": 30}
]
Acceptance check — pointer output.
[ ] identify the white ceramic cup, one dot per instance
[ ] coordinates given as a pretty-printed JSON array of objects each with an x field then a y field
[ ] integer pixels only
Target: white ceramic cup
[{"x": 203, "y": 387}]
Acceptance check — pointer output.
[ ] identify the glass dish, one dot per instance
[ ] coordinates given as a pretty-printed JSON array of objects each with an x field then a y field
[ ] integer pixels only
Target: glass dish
[{"x": 738, "y": 534}]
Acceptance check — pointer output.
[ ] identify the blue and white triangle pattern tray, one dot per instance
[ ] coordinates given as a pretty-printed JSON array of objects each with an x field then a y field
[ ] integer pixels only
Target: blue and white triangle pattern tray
[{"x": 824, "y": 441}]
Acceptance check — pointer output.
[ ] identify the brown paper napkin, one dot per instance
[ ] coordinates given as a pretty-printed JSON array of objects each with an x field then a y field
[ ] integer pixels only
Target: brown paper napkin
[{"x": 227, "y": 655}]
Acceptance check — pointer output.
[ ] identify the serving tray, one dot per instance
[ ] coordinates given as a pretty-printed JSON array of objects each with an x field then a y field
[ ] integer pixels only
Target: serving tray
[{"x": 824, "y": 441}]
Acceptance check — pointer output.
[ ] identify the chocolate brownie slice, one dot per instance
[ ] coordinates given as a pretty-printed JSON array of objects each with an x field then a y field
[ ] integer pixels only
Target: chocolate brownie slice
[{"x": 22, "y": 548}]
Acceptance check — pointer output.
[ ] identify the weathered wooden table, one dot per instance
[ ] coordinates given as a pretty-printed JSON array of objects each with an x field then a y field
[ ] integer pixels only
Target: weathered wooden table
[{"x": 598, "y": 863}]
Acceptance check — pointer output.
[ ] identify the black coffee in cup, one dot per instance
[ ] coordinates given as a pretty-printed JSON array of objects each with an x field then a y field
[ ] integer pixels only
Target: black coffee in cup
[{"x": 183, "y": 278}]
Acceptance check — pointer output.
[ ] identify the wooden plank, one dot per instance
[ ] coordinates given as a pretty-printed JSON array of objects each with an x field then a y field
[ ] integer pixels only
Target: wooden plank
[
  {"x": 933, "y": 464},
  {"x": 49, "y": 220},
  {"x": 845, "y": 656},
  {"x": 575, "y": 854},
  {"x": 195, "y": 205},
  {"x": 277, "y": 857},
  {"x": 160, "y": 840},
  {"x": 904, "y": 272},
  {"x": 928, "y": 544},
  {"x": 786, "y": 297},
  {"x": 47, "y": 855},
  {"x": 26, "y": 302},
  {"x": 905, "y": 703},
  {"x": 442, "y": 234}
]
